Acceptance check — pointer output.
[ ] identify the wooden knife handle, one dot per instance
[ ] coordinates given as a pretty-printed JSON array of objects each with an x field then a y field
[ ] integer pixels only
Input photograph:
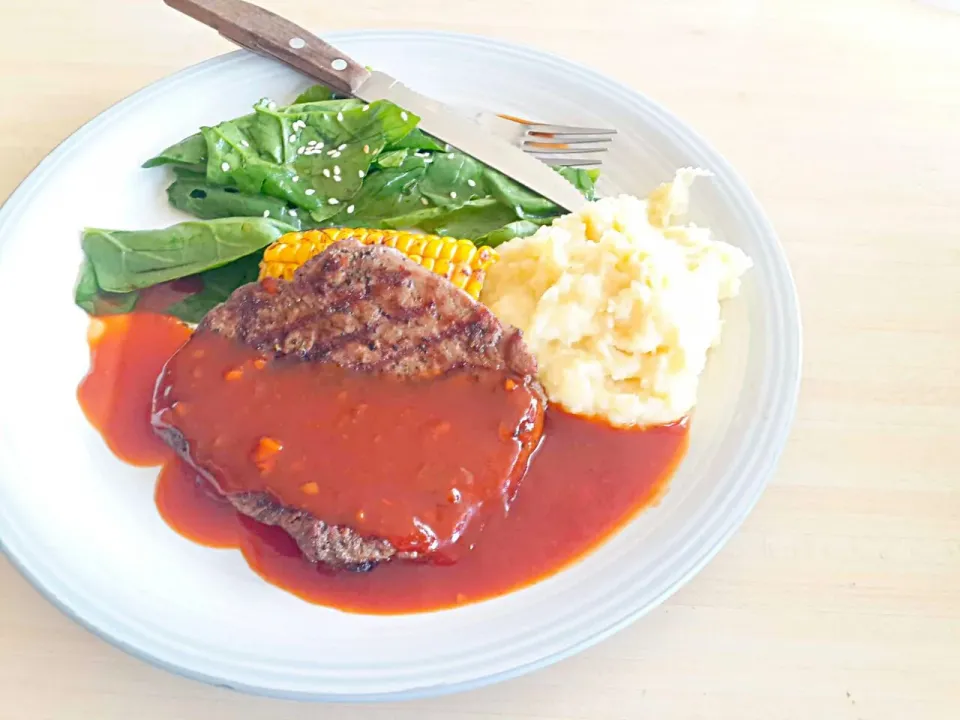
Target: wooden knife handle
[{"x": 267, "y": 33}]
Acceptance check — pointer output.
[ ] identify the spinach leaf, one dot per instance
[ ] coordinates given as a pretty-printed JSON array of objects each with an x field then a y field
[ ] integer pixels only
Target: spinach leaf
[
  {"x": 196, "y": 196},
  {"x": 314, "y": 93},
  {"x": 191, "y": 152},
  {"x": 518, "y": 228},
  {"x": 451, "y": 194},
  {"x": 218, "y": 284},
  {"x": 130, "y": 260},
  {"x": 417, "y": 139},
  {"x": 89, "y": 296},
  {"x": 265, "y": 152}
]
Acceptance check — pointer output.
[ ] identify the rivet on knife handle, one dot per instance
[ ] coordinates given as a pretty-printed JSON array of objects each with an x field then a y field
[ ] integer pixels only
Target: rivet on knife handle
[{"x": 264, "y": 32}]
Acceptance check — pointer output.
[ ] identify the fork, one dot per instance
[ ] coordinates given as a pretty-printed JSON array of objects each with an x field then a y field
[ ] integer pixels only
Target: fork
[{"x": 568, "y": 145}]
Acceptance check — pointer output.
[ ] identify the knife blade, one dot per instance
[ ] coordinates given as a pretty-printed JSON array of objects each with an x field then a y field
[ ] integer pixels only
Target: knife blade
[{"x": 269, "y": 34}]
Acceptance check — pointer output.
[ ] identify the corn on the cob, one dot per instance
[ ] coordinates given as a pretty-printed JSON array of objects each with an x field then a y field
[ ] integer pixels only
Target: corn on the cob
[{"x": 459, "y": 261}]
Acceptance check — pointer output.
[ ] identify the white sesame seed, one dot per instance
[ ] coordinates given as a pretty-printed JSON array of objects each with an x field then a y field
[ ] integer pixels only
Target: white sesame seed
[
  {"x": 472, "y": 183},
  {"x": 365, "y": 108},
  {"x": 293, "y": 213},
  {"x": 301, "y": 151},
  {"x": 326, "y": 172},
  {"x": 333, "y": 201},
  {"x": 342, "y": 147},
  {"x": 424, "y": 201},
  {"x": 292, "y": 138},
  {"x": 309, "y": 191},
  {"x": 296, "y": 178},
  {"x": 331, "y": 152},
  {"x": 311, "y": 143},
  {"x": 266, "y": 213},
  {"x": 361, "y": 173},
  {"x": 350, "y": 210},
  {"x": 337, "y": 178},
  {"x": 336, "y": 154},
  {"x": 404, "y": 116},
  {"x": 366, "y": 148},
  {"x": 319, "y": 144},
  {"x": 340, "y": 116},
  {"x": 336, "y": 169},
  {"x": 451, "y": 156},
  {"x": 225, "y": 167},
  {"x": 453, "y": 194},
  {"x": 245, "y": 143}
]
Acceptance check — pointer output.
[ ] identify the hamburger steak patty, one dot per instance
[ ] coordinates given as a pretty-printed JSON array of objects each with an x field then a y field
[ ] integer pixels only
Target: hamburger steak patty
[{"x": 367, "y": 309}]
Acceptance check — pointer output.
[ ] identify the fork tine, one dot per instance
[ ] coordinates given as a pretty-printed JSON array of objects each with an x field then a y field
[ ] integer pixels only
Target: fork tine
[
  {"x": 567, "y": 160},
  {"x": 568, "y": 139},
  {"x": 567, "y": 130},
  {"x": 536, "y": 146}
]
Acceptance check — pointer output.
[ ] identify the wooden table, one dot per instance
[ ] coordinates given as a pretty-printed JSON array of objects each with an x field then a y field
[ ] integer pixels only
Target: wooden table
[{"x": 840, "y": 597}]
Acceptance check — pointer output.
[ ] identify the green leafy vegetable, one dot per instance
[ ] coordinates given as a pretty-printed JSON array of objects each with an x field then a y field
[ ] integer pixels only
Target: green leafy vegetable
[
  {"x": 130, "y": 260},
  {"x": 218, "y": 284},
  {"x": 314, "y": 93},
  {"x": 191, "y": 153},
  {"x": 270, "y": 153},
  {"x": 194, "y": 195},
  {"x": 90, "y": 297}
]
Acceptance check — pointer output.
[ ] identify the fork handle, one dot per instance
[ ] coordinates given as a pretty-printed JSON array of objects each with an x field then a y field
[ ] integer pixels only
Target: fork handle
[{"x": 267, "y": 33}]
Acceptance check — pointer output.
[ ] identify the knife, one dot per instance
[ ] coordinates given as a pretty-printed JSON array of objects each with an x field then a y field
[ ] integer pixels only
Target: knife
[{"x": 269, "y": 34}]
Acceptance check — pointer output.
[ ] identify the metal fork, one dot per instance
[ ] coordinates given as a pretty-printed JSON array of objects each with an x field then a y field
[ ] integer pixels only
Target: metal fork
[{"x": 568, "y": 145}]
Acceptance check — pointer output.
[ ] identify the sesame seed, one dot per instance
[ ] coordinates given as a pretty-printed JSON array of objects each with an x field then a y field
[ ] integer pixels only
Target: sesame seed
[
  {"x": 336, "y": 169},
  {"x": 333, "y": 201},
  {"x": 365, "y": 108},
  {"x": 361, "y": 173},
  {"x": 336, "y": 154},
  {"x": 225, "y": 167},
  {"x": 245, "y": 143},
  {"x": 404, "y": 116},
  {"x": 451, "y": 156},
  {"x": 319, "y": 144},
  {"x": 472, "y": 183},
  {"x": 337, "y": 178},
  {"x": 292, "y": 138},
  {"x": 326, "y": 172},
  {"x": 453, "y": 194},
  {"x": 266, "y": 213},
  {"x": 366, "y": 148},
  {"x": 296, "y": 178},
  {"x": 309, "y": 191},
  {"x": 301, "y": 150},
  {"x": 424, "y": 201},
  {"x": 311, "y": 143},
  {"x": 293, "y": 213},
  {"x": 340, "y": 116},
  {"x": 331, "y": 152},
  {"x": 350, "y": 210},
  {"x": 342, "y": 147}
]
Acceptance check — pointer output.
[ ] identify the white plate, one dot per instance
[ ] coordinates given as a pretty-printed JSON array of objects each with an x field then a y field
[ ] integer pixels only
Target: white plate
[{"x": 83, "y": 527}]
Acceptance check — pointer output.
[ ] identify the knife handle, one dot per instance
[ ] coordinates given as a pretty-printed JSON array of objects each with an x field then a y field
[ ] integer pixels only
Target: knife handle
[{"x": 267, "y": 33}]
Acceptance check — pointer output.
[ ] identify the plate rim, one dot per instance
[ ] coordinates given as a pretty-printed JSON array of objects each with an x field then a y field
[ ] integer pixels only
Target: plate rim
[{"x": 767, "y": 465}]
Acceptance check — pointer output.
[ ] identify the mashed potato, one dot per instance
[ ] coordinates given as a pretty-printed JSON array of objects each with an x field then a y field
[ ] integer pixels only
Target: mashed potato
[{"x": 619, "y": 303}]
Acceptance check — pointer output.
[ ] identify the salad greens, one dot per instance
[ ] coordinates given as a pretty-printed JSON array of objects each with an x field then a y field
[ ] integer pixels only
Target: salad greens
[{"x": 319, "y": 162}]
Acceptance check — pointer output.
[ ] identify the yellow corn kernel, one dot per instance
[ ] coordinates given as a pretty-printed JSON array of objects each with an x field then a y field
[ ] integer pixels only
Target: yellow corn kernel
[{"x": 459, "y": 261}]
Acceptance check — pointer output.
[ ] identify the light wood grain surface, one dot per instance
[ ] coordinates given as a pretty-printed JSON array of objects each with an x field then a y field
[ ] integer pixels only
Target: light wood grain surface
[{"x": 840, "y": 597}]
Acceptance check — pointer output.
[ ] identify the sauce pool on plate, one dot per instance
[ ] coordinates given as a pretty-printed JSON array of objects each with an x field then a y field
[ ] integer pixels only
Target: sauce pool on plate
[{"x": 586, "y": 480}]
